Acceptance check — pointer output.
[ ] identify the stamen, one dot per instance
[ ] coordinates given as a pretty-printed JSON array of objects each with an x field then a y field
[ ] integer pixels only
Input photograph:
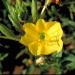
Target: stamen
[{"x": 42, "y": 35}]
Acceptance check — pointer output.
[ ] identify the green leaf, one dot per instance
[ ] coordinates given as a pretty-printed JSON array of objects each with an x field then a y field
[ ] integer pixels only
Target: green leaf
[
  {"x": 14, "y": 12},
  {"x": 44, "y": 67},
  {"x": 3, "y": 56},
  {"x": 14, "y": 23},
  {"x": 19, "y": 9},
  {"x": 4, "y": 3},
  {"x": 23, "y": 51},
  {"x": 34, "y": 10},
  {"x": 57, "y": 55},
  {"x": 31, "y": 69},
  {"x": 53, "y": 9},
  {"x": 71, "y": 60},
  {"x": 71, "y": 66},
  {"x": 6, "y": 31},
  {"x": 66, "y": 21}
]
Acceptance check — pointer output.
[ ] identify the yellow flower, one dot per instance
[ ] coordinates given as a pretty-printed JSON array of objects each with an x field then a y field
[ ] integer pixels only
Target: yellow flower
[{"x": 43, "y": 38}]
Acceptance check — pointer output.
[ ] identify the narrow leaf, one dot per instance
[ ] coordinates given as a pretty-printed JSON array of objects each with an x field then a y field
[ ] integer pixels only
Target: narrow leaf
[
  {"x": 6, "y": 31},
  {"x": 34, "y": 10},
  {"x": 14, "y": 23}
]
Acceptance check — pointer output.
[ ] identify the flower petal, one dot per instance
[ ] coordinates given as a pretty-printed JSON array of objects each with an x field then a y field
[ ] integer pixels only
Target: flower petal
[
  {"x": 40, "y": 25},
  {"x": 47, "y": 48},
  {"x": 30, "y": 34},
  {"x": 55, "y": 30},
  {"x": 27, "y": 39},
  {"x": 49, "y": 24},
  {"x": 51, "y": 47},
  {"x": 29, "y": 28},
  {"x": 34, "y": 48}
]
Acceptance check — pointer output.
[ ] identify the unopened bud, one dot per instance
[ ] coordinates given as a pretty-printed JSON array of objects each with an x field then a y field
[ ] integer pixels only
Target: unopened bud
[{"x": 40, "y": 61}]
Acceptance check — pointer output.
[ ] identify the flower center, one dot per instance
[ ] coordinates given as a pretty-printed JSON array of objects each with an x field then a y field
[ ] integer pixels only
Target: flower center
[{"x": 42, "y": 35}]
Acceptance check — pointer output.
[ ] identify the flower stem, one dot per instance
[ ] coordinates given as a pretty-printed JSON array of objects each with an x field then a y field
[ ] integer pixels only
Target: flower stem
[{"x": 45, "y": 6}]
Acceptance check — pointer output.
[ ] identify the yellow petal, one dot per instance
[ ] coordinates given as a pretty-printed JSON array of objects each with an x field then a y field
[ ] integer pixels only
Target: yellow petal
[
  {"x": 55, "y": 30},
  {"x": 60, "y": 43},
  {"x": 40, "y": 25},
  {"x": 34, "y": 48},
  {"x": 49, "y": 24},
  {"x": 52, "y": 47},
  {"x": 47, "y": 48},
  {"x": 29, "y": 28},
  {"x": 30, "y": 34},
  {"x": 27, "y": 39}
]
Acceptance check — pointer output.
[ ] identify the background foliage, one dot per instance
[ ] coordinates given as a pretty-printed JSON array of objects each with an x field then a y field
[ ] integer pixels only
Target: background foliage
[{"x": 14, "y": 57}]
